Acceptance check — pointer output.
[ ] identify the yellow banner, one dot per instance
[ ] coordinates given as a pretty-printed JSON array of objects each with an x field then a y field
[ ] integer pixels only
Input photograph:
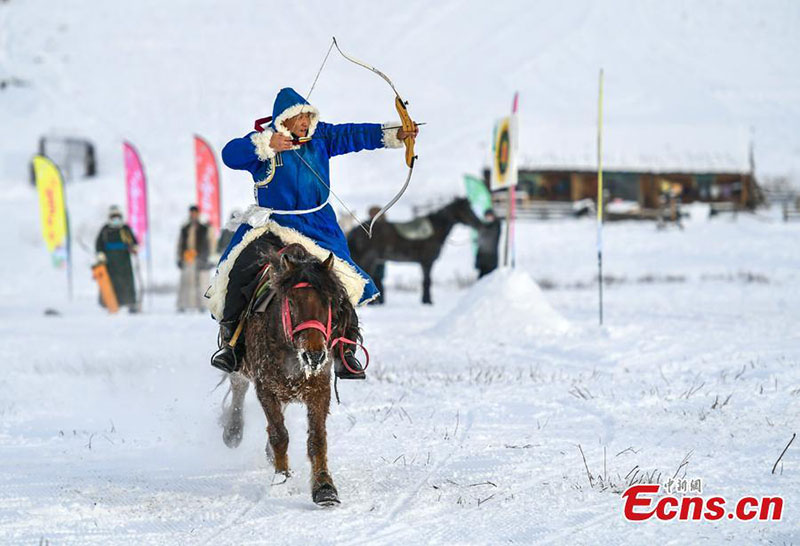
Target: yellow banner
[{"x": 51, "y": 202}]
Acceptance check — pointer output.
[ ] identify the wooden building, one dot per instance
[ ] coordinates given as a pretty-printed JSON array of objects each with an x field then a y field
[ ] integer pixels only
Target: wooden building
[{"x": 737, "y": 190}]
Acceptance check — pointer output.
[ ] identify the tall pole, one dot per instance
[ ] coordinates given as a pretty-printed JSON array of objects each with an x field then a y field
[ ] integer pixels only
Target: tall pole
[
  {"x": 600, "y": 196},
  {"x": 513, "y": 190},
  {"x": 509, "y": 226},
  {"x": 146, "y": 288},
  {"x": 68, "y": 236},
  {"x": 69, "y": 254}
]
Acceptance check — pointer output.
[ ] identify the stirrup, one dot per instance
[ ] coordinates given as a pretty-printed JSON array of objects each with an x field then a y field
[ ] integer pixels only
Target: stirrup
[
  {"x": 225, "y": 359},
  {"x": 351, "y": 369}
]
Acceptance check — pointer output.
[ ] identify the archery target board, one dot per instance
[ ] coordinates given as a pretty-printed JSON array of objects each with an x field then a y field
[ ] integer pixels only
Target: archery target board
[{"x": 504, "y": 164}]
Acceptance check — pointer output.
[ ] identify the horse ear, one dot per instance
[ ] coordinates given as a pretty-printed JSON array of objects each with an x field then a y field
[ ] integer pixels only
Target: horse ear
[
  {"x": 286, "y": 263},
  {"x": 328, "y": 263}
]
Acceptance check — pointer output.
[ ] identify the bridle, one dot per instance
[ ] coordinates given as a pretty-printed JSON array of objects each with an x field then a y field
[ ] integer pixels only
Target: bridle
[{"x": 289, "y": 330}]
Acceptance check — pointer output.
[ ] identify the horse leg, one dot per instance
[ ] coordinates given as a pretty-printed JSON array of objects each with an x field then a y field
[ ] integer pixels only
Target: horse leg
[
  {"x": 278, "y": 436},
  {"x": 322, "y": 489},
  {"x": 233, "y": 416},
  {"x": 426, "y": 283}
]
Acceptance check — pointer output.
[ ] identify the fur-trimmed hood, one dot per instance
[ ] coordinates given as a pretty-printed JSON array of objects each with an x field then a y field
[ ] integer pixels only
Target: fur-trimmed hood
[{"x": 289, "y": 103}]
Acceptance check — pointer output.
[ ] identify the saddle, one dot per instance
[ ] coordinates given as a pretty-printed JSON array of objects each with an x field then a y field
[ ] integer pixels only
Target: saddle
[{"x": 415, "y": 230}]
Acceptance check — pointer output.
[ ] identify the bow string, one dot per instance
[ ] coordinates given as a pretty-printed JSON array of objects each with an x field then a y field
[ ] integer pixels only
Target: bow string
[{"x": 406, "y": 123}]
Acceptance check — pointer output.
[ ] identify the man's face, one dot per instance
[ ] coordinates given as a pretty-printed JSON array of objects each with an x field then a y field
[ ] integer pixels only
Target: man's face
[
  {"x": 298, "y": 125},
  {"x": 194, "y": 215}
]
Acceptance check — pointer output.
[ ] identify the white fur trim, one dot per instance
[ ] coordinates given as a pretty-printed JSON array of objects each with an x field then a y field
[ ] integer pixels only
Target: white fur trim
[
  {"x": 389, "y": 138},
  {"x": 293, "y": 111},
  {"x": 219, "y": 284},
  {"x": 352, "y": 281},
  {"x": 261, "y": 142}
]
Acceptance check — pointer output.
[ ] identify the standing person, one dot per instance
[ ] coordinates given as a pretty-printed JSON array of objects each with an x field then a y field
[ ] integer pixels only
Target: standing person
[
  {"x": 380, "y": 269},
  {"x": 488, "y": 237},
  {"x": 194, "y": 246},
  {"x": 114, "y": 246},
  {"x": 290, "y": 165}
]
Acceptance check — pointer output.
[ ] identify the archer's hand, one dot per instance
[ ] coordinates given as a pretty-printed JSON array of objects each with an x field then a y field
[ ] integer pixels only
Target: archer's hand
[
  {"x": 280, "y": 143},
  {"x": 403, "y": 134}
]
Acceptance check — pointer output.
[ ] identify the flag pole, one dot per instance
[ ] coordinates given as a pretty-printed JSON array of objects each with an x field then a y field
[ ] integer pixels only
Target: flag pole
[
  {"x": 513, "y": 189},
  {"x": 69, "y": 253},
  {"x": 600, "y": 196},
  {"x": 68, "y": 241}
]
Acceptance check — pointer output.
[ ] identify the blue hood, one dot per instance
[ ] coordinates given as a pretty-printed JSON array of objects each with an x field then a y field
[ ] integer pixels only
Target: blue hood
[{"x": 289, "y": 103}]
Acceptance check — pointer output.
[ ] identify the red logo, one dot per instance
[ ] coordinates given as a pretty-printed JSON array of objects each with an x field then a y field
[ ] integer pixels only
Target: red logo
[{"x": 642, "y": 503}]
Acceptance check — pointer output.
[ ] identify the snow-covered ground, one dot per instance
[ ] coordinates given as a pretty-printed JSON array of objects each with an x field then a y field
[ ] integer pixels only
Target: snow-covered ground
[
  {"x": 468, "y": 428},
  {"x": 109, "y": 433}
]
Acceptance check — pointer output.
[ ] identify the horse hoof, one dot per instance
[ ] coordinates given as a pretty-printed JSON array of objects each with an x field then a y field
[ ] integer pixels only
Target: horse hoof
[
  {"x": 326, "y": 495},
  {"x": 281, "y": 477},
  {"x": 232, "y": 435}
]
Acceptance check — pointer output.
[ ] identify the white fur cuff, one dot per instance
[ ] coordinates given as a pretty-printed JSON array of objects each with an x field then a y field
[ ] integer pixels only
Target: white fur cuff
[
  {"x": 261, "y": 142},
  {"x": 390, "y": 139}
]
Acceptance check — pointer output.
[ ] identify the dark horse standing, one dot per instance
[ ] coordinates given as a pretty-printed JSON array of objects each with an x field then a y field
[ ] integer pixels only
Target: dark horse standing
[
  {"x": 291, "y": 341},
  {"x": 389, "y": 245}
]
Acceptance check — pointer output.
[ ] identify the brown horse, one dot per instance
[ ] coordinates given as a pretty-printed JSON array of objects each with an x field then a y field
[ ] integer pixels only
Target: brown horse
[
  {"x": 290, "y": 347},
  {"x": 389, "y": 245}
]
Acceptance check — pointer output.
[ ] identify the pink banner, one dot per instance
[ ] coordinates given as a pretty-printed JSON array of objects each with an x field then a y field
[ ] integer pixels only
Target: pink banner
[
  {"x": 136, "y": 190},
  {"x": 208, "y": 196}
]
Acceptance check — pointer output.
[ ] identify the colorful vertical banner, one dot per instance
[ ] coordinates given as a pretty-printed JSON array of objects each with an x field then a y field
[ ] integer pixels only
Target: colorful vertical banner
[
  {"x": 136, "y": 191},
  {"x": 52, "y": 206},
  {"x": 480, "y": 198},
  {"x": 53, "y": 212},
  {"x": 208, "y": 194},
  {"x": 478, "y": 194}
]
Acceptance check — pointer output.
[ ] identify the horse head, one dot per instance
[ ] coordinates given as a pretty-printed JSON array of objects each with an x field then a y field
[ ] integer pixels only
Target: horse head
[
  {"x": 310, "y": 298},
  {"x": 462, "y": 212}
]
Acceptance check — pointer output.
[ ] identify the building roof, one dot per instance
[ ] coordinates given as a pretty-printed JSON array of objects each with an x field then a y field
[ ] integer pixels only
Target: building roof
[{"x": 659, "y": 149}]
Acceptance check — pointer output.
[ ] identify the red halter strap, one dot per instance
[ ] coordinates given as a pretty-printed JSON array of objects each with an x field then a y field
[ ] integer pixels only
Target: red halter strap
[{"x": 290, "y": 331}]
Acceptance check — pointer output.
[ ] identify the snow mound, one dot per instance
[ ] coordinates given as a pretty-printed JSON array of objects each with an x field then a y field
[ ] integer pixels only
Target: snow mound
[{"x": 507, "y": 304}]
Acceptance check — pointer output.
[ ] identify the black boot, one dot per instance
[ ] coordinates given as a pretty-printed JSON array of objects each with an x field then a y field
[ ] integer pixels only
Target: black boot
[
  {"x": 352, "y": 362},
  {"x": 227, "y": 358}
]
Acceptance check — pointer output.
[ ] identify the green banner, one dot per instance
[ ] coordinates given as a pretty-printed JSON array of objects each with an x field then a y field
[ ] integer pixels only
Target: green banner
[
  {"x": 478, "y": 194},
  {"x": 480, "y": 198}
]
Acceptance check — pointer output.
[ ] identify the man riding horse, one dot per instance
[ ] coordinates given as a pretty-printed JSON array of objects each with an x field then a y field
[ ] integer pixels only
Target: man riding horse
[{"x": 289, "y": 162}]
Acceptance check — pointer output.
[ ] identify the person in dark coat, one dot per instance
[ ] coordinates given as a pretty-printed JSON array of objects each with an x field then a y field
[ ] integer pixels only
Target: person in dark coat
[
  {"x": 194, "y": 249},
  {"x": 114, "y": 246},
  {"x": 488, "y": 239}
]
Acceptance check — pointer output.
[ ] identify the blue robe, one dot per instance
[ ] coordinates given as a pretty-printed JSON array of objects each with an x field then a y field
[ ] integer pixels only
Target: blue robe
[{"x": 286, "y": 182}]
